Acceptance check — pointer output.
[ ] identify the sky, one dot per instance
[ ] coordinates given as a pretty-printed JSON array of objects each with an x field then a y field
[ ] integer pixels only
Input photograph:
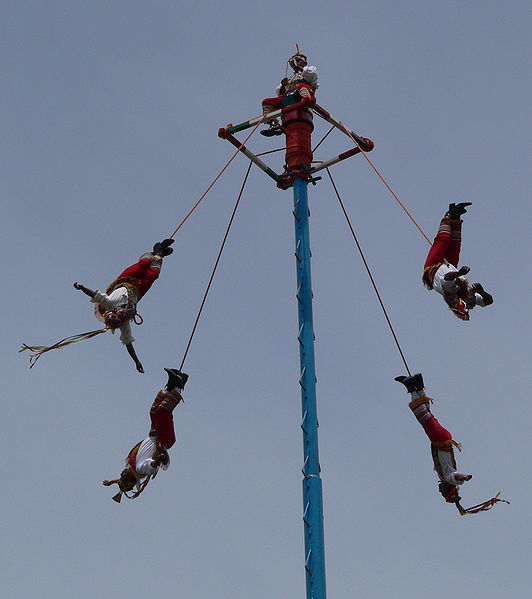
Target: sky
[{"x": 109, "y": 137}]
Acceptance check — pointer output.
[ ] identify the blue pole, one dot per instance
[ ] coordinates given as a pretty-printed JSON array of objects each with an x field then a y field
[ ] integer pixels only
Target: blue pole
[{"x": 312, "y": 493}]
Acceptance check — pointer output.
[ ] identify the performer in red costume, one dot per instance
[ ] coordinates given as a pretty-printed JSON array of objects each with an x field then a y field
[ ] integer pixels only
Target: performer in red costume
[
  {"x": 297, "y": 123},
  {"x": 441, "y": 267},
  {"x": 118, "y": 305},
  {"x": 441, "y": 446},
  {"x": 145, "y": 459}
]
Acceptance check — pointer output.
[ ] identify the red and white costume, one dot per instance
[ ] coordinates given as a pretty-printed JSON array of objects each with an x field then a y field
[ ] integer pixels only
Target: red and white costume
[
  {"x": 441, "y": 447},
  {"x": 304, "y": 84},
  {"x": 297, "y": 123},
  {"x": 161, "y": 438},
  {"x": 441, "y": 440},
  {"x": 442, "y": 259},
  {"x": 127, "y": 290}
]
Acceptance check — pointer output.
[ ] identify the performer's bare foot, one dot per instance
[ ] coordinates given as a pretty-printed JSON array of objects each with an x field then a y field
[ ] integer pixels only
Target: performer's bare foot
[{"x": 463, "y": 477}]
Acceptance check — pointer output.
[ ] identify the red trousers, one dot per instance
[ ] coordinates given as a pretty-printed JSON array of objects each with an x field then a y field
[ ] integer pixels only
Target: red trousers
[
  {"x": 145, "y": 274},
  {"x": 446, "y": 244},
  {"x": 435, "y": 430},
  {"x": 162, "y": 422},
  {"x": 272, "y": 103}
]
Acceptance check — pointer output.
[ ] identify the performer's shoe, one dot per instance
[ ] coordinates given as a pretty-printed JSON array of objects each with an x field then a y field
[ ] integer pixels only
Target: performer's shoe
[
  {"x": 274, "y": 129},
  {"x": 456, "y": 210},
  {"x": 412, "y": 383},
  {"x": 176, "y": 379},
  {"x": 162, "y": 248}
]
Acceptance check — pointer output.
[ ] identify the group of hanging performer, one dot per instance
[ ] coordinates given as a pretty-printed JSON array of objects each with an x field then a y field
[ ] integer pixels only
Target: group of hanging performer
[
  {"x": 442, "y": 274},
  {"x": 118, "y": 306}
]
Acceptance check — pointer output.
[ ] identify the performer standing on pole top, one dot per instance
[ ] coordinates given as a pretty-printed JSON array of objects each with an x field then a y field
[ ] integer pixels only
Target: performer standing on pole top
[
  {"x": 145, "y": 459},
  {"x": 441, "y": 446},
  {"x": 297, "y": 123},
  {"x": 118, "y": 305},
  {"x": 441, "y": 266},
  {"x": 303, "y": 82}
]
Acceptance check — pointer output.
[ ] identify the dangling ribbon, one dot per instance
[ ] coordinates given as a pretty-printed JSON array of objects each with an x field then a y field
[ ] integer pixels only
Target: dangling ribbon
[
  {"x": 481, "y": 507},
  {"x": 39, "y": 350}
]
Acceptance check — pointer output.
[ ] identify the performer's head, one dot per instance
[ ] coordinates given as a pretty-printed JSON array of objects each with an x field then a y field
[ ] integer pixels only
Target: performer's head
[
  {"x": 465, "y": 292},
  {"x": 298, "y": 61},
  {"x": 125, "y": 483},
  {"x": 457, "y": 305},
  {"x": 127, "y": 480},
  {"x": 449, "y": 492},
  {"x": 114, "y": 318}
]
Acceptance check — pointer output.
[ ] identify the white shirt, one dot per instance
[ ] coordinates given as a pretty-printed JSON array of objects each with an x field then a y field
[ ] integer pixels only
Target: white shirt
[
  {"x": 442, "y": 286},
  {"x": 448, "y": 470},
  {"x": 310, "y": 75},
  {"x": 116, "y": 299},
  {"x": 144, "y": 459}
]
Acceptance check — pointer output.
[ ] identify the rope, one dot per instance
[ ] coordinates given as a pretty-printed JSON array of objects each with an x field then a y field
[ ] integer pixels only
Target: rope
[
  {"x": 215, "y": 266},
  {"x": 323, "y": 139},
  {"x": 216, "y": 179},
  {"x": 385, "y": 182},
  {"x": 271, "y": 151},
  {"x": 368, "y": 271}
]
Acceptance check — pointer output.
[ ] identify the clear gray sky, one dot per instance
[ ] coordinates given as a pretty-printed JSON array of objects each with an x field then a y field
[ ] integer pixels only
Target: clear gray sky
[{"x": 109, "y": 136}]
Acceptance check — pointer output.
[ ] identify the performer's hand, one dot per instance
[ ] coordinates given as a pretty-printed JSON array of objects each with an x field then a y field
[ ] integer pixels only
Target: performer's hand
[
  {"x": 477, "y": 287},
  {"x": 107, "y": 483},
  {"x": 139, "y": 367},
  {"x": 464, "y": 270},
  {"x": 77, "y": 285}
]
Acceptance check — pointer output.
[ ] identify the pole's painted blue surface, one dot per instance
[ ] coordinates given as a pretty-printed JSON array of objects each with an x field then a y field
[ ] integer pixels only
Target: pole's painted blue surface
[{"x": 312, "y": 493}]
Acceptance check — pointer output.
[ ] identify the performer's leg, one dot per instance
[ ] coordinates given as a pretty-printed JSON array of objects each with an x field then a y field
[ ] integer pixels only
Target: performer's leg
[
  {"x": 137, "y": 270},
  {"x": 151, "y": 275},
  {"x": 453, "y": 250},
  {"x": 156, "y": 403},
  {"x": 441, "y": 242},
  {"x": 435, "y": 431},
  {"x": 270, "y": 104},
  {"x": 162, "y": 421},
  {"x": 146, "y": 270},
  {"x": 420, "y": 406}
]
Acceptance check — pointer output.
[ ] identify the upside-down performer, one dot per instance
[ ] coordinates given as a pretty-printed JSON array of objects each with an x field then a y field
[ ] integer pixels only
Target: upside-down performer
[
  {"x": 441, "y": 271},
  {"x": 118, "y": 305},
  {"x": 145, "y": 459},
  {"x": 297, "y": 123},
  {"x": 441, "y": 447}
]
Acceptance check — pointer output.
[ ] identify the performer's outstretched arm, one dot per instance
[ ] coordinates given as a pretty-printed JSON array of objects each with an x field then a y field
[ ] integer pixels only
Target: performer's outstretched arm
[
  {"x": 85, "y": 290},
  {"x": 108, "y": 483},
  {"x": 132, "y": 353},
  {"x": 451, "y": 276}
]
